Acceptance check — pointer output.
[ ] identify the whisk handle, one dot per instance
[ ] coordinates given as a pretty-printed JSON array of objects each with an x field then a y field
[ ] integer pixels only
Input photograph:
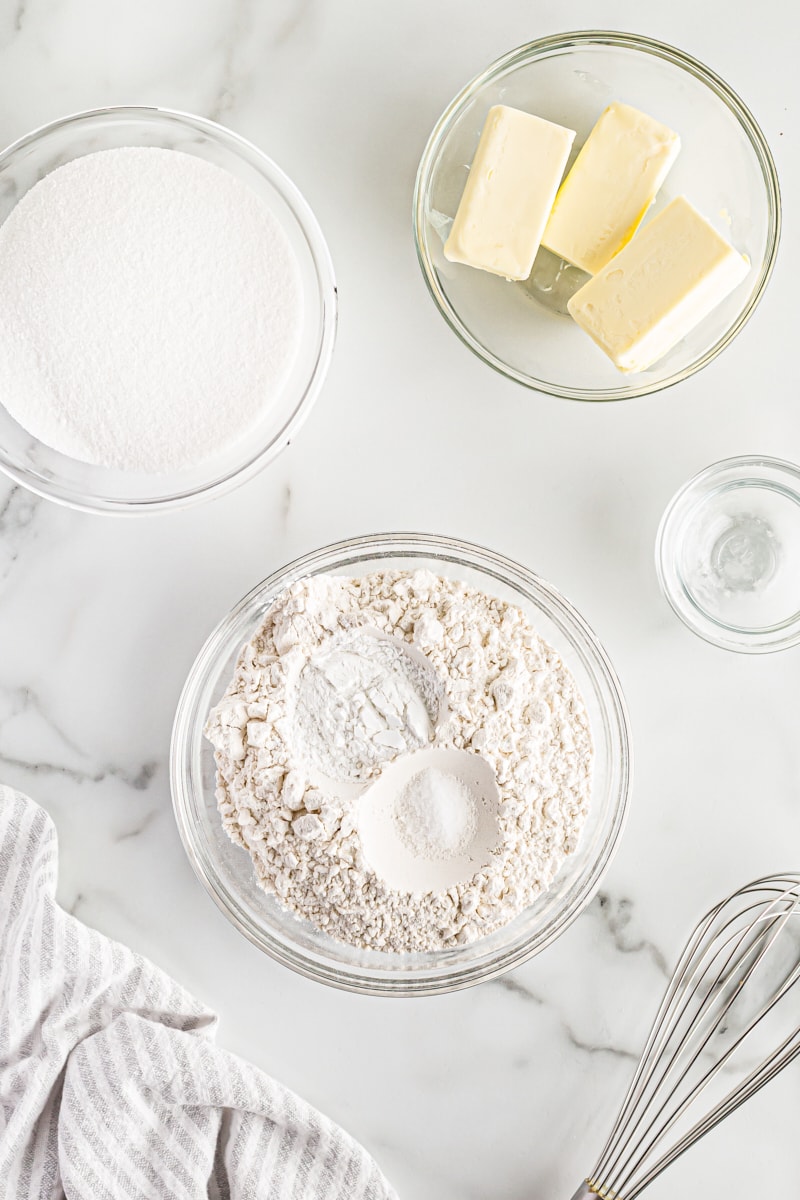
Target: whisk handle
[{"x": 584, "y": 1192}]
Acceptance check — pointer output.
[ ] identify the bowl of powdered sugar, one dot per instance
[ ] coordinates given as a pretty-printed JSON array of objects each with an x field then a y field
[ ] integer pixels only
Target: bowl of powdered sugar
[
  {"x": 167, "y": 310},
  {"x": 401, "y": 765}
]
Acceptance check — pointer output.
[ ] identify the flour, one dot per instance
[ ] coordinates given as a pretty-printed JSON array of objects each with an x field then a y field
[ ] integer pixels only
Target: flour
[
  {"x": 430, "y": 660},
  {"x": 150, "y": 309}
]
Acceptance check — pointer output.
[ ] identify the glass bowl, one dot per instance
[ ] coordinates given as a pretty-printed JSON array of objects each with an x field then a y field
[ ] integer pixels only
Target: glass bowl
[
  {"x": 99, "y": 489},
  {"x": 728, "y": 554},
  {"x": 225, "y": 869},
  {"x": 725, "y": 168}
]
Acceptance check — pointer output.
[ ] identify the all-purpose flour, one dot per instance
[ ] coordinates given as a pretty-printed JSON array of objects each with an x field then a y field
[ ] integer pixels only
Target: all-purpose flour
[
  {"x": 150, "y": 309},
  {"x": 344, "y": 683}
]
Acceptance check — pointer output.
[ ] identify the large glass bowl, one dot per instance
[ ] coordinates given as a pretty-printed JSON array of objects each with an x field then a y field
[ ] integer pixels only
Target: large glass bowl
[
  {"x": 724, "y": 168},
  {"x": 81, "y": 485},
  {"x": 226, "y": 870}
]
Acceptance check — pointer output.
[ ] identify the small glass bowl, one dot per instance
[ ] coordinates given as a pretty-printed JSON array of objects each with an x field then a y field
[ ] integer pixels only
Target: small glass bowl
[
  {"x": 728, "y": 554},
  {"x": 225, "y": 869},
  {"x": 725, "y": 168},
  {"x": 98, "y": 489}
]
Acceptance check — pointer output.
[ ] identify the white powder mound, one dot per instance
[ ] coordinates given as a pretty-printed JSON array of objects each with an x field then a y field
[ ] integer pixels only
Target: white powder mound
[
  {"x": 430, "y": 820},
  {"x": 360, "y": 703},
  {"x": 506, "y": 699},
  {"x": 150, "y": 309},
  {"x": 435, "y": 815}
]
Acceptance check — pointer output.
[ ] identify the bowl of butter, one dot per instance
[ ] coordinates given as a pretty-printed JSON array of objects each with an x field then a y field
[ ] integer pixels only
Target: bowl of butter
[{"x": 597, "y": 215}]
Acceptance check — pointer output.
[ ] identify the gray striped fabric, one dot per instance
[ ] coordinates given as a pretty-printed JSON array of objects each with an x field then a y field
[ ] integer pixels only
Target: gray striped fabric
[{"x": 110, "y": 1084}]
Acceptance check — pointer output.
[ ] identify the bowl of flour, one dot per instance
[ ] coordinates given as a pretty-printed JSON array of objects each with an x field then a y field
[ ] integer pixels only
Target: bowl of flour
[
  {"x": 167, "y": 310},
  {"x": 402, "y": 764}
]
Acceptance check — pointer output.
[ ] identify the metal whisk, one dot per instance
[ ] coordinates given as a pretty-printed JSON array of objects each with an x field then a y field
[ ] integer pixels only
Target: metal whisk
[{"x": 740, "y": 963}]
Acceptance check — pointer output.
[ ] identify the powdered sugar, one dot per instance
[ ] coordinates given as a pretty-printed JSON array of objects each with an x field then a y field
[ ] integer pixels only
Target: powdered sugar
[
  {"x": 150, "y": 309},
  {"x": 511, "y": 728}
]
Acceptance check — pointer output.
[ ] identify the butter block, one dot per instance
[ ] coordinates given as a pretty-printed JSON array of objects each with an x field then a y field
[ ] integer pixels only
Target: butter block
[
  {"x": 613, "y": 182},
  {"x": 656, "y": 290},
  {"x": 510, "y": 190}
]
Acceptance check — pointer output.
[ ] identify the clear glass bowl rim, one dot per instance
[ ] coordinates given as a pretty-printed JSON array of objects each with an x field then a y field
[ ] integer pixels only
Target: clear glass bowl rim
[
  {"x": 339, "y": 555},
  {"x": 760, "y": 641},
  {"x": 328, "y": 295},
  {"x": 542, "y": 48}
]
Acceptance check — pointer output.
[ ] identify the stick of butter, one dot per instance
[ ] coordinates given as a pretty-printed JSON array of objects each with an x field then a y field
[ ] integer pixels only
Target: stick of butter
[
  {"x": 613, "y": 182},
  {"x": 510, "y": 190},
  {"x": 654, "y": 292}
]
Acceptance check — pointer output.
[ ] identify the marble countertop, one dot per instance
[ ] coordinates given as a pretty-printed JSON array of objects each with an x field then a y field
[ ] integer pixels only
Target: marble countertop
[{"x": 506, "y": 1090}]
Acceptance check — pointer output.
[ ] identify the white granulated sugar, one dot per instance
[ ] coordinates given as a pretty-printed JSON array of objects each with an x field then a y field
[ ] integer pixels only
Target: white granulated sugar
[
  {"x": 503, "y": 696},
  {"x": 435, "y": 815},
  {"x": 150, "y": 309}
]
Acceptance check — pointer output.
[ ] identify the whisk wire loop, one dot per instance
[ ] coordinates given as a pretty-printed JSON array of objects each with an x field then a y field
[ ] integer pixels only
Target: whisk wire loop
[
  {"x": 738, "y": 948},
  {"x": 750, "y": 945}
]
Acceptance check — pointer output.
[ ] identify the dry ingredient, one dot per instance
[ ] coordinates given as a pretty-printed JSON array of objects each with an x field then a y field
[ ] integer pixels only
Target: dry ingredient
[
  {"x": 360, "y": 702},
  {"x": 435, "y": 814},
  {"x": 150, "y": 309},
  {"x": 351, "y": 683}
]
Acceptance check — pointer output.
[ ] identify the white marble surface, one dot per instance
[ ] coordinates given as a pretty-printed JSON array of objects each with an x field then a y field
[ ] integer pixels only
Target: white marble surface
[{"x": 506, "y": 1090}]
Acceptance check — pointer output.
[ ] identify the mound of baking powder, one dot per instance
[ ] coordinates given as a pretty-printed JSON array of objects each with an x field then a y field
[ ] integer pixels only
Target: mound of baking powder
[
  {"x": 347, "y": 683},
  {"x": 150, "y": 309}
]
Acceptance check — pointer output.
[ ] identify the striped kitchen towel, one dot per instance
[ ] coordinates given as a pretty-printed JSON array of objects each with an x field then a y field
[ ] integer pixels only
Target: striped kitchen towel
[{"x": 111, "y": 1086}]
